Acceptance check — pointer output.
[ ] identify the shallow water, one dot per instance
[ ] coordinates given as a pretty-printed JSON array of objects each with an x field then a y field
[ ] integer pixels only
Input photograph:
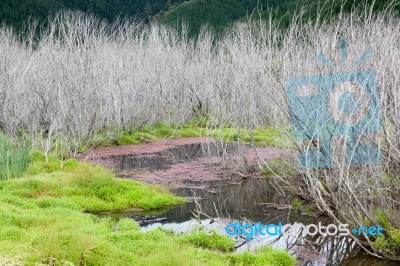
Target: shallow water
[
  {"x": 165, "y": 158},
  {"x": 248, "y": 200}
]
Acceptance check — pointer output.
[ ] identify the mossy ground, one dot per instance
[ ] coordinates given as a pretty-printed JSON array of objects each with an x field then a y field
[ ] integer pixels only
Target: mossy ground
[
  {"x": 46, "y": 219},
  {"x": 263, "y": 136},
  {"x": 390, "y": 243}
]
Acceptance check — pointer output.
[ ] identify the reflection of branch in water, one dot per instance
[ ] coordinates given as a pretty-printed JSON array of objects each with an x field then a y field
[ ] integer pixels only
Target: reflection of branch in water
[
  {"x": 329, "y": 250},
  {"x": 184, "y": 152},
  {"x": 197, "y": 213},
  {"x": 311, "y": 250}
]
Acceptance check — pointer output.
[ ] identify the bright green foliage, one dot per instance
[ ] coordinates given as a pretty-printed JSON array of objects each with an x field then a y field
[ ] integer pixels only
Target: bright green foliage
[
  {"x": 13, "y": 157},
  {"x": 265, "y": 136},
  {"x": 264, "y": 256},
  {"x": 44, "y": 220},
  {"x": 309, "y": 209},
  {"x": 260, "y": 136},
  {"x": 158, "y": 131},
  {"x": 40, "y": 164},
  {"x": 93, "y": 189},
  {"x": 297, "y": 204},
  {"x": 69, "y": 165},
  {"x": 390, "y": 242},
  {"x": 213, "y": 242},
  {"x": 383, "y": 220}
]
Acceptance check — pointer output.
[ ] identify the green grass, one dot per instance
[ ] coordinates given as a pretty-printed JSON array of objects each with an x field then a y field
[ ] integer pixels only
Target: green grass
[
  {"x": 39, "y": 164},
  {"x": 263, "y": 256},
  {"x": 46, "y": 219},
  {"x": 390, "y": 243},
  {"x": 92, "y": 189},
  {"x": 262, "y": 136},
  {"x": 13, "y": 157},
  {"x": 202, "y": 240},
  {"x": 297, "y": 204}
]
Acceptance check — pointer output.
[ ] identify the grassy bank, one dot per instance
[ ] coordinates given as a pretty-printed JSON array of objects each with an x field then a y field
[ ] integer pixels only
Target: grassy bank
[
  {"x": 47, "y": 219},
  {"x": 260, "y": 136}
]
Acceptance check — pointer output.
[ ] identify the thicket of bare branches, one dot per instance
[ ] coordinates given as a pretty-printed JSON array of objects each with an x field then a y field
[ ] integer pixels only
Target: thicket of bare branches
[
  {"x": 357, "y": 194},
  {"x": 84, "y": 75}
]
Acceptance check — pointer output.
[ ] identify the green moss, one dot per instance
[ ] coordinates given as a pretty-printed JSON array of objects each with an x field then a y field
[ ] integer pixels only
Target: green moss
[
  {"x": 266, "y": 171},
  {"x": 383, "y": 220},
  {"x": 93, "y": 189},
  {"x": 127, "y": 225},
  {"x": 213, "y": 242},
  {"x": 297, "y": 204},
  {"x": 36, "y": 156},
  {"x": 70, "y": 165},
  {"x": 264, "y": 256},
  {"x": 270, "y": 136},
  {"x": 309, "y": 209},
  {"x": 190, "y": 132},
  {"x": 390, "y": 243},
  {"x": 39, "y": 164},
  {"x": 126, "y": 139},
  {"x": 44, "y": 221},
  {"x": 263, "y": 136}
]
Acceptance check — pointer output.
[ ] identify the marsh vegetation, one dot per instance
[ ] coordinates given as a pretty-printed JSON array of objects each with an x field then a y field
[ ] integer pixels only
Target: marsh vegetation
[{"x": 85, "y": 82}]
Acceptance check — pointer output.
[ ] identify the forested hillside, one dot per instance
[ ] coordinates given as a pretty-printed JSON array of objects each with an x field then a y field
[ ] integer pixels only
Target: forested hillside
[
  {"x": 218, "y": 14},
  {"x": 221, "y": 13},
  {"x": 16, "y": 12}
]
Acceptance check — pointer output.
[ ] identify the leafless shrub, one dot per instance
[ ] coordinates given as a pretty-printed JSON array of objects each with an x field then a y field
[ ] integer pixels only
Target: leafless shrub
[
  {"x": 363, "y": 194},
  {"x": 84, "y": 75}
]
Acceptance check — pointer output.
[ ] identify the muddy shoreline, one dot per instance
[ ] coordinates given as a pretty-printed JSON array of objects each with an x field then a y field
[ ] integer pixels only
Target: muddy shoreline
[{"x": 181, "y": 166}]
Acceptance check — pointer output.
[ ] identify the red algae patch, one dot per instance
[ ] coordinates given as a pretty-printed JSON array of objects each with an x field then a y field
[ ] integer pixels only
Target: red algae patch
[
  {"x": 136, "y": 149},
  {"x": 173, "y": 163}
]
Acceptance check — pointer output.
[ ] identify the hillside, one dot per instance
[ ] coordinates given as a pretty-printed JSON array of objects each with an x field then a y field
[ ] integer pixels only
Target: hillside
[
  {"x": 217, "y": 14},
  {"x": 220, "y": 13},
  {"x": 16, "y": 12}
]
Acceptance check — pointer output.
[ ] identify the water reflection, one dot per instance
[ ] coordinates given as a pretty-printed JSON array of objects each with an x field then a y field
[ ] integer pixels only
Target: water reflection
[
  {"x": 244, "y": 202},
  {"x": 248, "y": 200},
  {"x": 165, "y": 158}
]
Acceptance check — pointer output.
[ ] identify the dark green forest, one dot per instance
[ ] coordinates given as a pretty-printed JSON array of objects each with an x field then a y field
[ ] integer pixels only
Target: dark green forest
[
  {"x": 218, "y": 14},
  {"x": 16, "y": 12}
]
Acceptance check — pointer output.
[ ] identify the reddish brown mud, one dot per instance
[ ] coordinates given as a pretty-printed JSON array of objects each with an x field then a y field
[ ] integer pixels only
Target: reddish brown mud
[{"x": 200, "y": 169}]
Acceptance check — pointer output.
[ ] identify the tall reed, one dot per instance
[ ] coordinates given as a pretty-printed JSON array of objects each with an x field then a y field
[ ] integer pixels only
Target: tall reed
[{"x": 13, "y": 157}]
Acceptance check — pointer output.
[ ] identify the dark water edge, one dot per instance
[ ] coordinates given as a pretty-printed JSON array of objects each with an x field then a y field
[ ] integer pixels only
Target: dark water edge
[{"x": 248, "y": 200}]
